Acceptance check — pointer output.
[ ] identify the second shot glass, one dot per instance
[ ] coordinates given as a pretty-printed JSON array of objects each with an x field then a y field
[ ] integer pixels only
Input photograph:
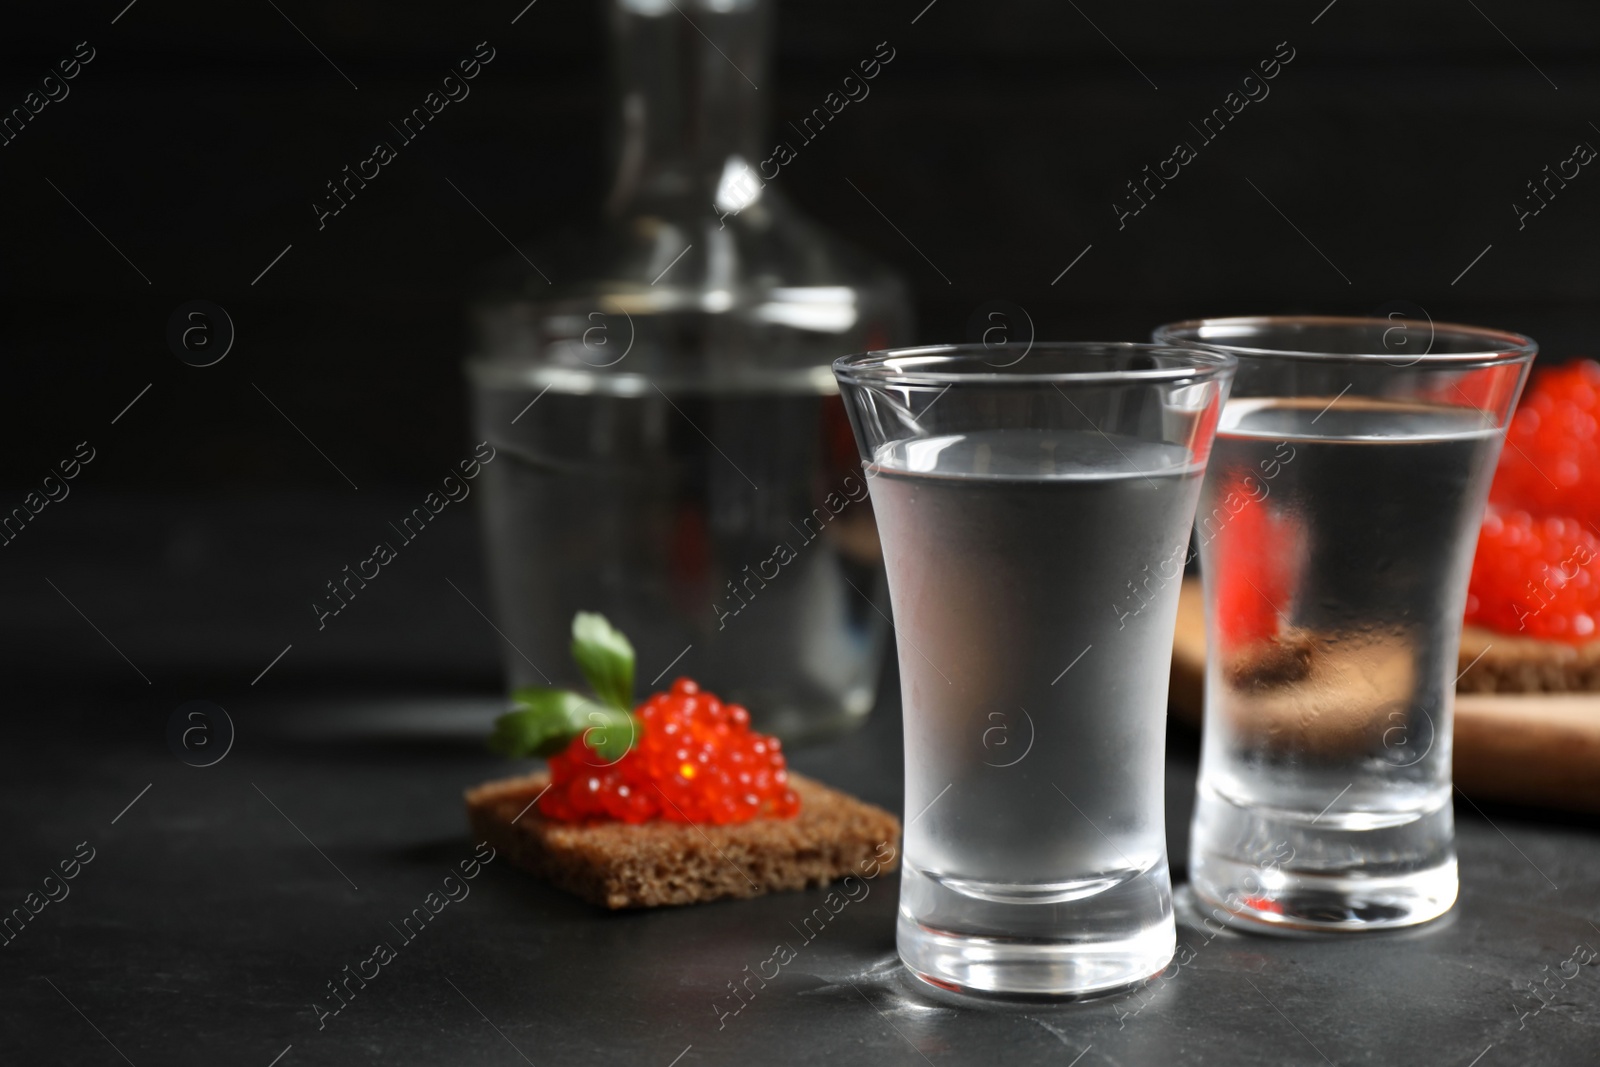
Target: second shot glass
[{"x": 1336, "y": 531}]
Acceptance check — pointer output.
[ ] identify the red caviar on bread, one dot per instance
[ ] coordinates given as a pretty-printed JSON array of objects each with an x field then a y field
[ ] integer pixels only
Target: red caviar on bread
[{"x": 680, "y": 756}]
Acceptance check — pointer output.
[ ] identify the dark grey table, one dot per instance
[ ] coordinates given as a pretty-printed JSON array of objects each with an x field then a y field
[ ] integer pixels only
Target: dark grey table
[{"x": 221, "y": 903}]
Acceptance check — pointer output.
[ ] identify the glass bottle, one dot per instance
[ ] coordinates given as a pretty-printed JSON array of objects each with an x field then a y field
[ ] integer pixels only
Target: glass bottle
[{"x": 672, "y": 451}]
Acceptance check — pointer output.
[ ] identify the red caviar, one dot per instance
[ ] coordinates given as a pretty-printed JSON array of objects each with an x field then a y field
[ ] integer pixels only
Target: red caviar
[
  {"x": 1537, "y": 569},
  {"x": 695, "y": 760},
  {"x": 1539, "y": 577},
  {"x": 1256, "y": 549},
  {"x": 1551, "y": 462}
]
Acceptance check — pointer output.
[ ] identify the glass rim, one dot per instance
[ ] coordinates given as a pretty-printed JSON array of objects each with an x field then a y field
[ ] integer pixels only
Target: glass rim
[
  {"x": 1501, "y": 346},
  {"x": 1190, "y": 363}
]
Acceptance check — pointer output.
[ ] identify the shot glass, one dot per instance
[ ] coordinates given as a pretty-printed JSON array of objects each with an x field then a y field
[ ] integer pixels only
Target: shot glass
[
  {"x": 1018, "y": 493},
  {"x": 1336, "y": 531}
]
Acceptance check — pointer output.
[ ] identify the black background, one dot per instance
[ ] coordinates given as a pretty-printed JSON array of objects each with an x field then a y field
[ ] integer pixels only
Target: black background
[
  {"x": 200, "y": 135},
  {"x": 183, "y": 565}
]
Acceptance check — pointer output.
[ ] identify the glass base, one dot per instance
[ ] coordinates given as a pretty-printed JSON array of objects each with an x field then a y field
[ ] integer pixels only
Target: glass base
[
  {"x": 1317, "y": 877},
  {"x": 1029, "y": 969},
  {"x": 1318, "y": 903}
]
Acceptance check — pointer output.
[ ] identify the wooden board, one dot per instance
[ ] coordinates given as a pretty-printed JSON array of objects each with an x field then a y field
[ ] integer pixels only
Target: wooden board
[{"x": 1534, "y": 748}]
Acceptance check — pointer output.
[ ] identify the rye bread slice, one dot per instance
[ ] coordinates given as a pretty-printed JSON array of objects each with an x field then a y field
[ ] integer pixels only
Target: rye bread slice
[
  {"x": 1513, "y": 663},
  {"x": 1489, "y": 662},
  {"x": 616, "y": 865}
]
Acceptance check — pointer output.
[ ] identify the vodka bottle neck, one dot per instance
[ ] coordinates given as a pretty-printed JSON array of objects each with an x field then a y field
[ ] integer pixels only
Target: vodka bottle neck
[{"x": 687, "y": 104}]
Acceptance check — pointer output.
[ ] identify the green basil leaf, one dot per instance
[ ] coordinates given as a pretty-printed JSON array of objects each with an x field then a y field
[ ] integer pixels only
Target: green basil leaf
[
  {"x": 610, "y": 733},
  {"x": 544, "y": 723},
  {"x": 606, "y": 659}
]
